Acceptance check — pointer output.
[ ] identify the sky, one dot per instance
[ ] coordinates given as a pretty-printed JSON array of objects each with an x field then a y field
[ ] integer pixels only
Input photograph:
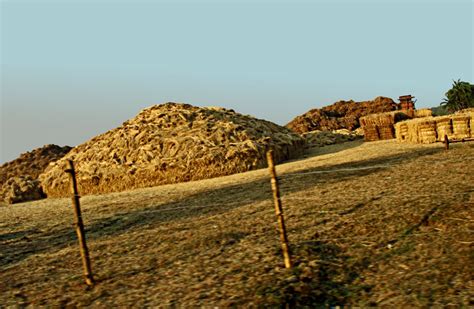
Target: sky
[{"x": 71, "y": 69}]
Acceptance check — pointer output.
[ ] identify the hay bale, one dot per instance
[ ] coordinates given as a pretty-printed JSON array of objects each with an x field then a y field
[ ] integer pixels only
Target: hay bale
[
  {"x": 386, "y": 131},
  {"x": 461, "y": 126},
  {"x": 172, "y": 143},
  {"x": 371, "y": 133},
  {"x": 401, "y": 131},
  {"x": 424, "y": 112},
  {"x": 381, "y": 126},
  {"x": 471, "y": 123},
  {"x": 427, "y": 131},
  {"x": 444, "y": 127}
]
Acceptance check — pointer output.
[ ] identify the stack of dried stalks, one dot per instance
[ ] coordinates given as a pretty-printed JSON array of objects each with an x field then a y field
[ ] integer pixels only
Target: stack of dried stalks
[
  {"x": 172, "y": 143},
  {"x": 432, "y": 129},
  {"x": 444, "y": 127},
  {"x": 461, "y": 126},
  {"x": 381, "y": 126},
  {"x": 401, "y": 129},
  {"x": 424, "y": 112},
  {"x": 427, "y": 130},
  {"x": 320, "y": 138}
]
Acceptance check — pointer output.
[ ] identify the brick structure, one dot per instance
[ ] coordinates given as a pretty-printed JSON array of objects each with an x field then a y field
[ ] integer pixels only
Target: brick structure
[{"x": 406, "y": 102}]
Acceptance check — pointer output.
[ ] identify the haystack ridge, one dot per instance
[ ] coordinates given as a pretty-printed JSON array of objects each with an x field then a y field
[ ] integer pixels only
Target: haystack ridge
[
  {"x": 18, "y": 178},
  {"x": 340, "y": 115},
  {"x": 172, "y": 143}
]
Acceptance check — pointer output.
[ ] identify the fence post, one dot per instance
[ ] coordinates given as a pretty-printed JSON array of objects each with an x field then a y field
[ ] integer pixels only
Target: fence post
[
  {"x": 79, "y": 225},
  {"x": 446, "y": 142},
  {"x": 278, "y": 210}
]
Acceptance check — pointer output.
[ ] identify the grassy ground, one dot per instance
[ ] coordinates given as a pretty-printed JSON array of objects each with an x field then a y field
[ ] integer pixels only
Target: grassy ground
[{"x": 397, "y": 235}]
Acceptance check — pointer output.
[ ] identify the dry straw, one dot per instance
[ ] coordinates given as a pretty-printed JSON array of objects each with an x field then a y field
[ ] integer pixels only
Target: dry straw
[
  {"x": 381, "y": 126},
  {"x": 401, "y": 131},
  {"x": 461, "y": 126},
  {"x": 172, "y": 143},
  {"x": 432, "y": 129},
  {"x": 424, "y": 112},
  {"x": 444, "y": 127}
]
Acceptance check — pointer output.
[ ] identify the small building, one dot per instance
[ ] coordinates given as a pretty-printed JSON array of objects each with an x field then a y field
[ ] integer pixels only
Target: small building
[{"x": 406, "y": 102}]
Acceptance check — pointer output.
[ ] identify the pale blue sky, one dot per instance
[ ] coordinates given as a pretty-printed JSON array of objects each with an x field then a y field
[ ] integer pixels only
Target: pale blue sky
[{"x": 73, "y": 69}]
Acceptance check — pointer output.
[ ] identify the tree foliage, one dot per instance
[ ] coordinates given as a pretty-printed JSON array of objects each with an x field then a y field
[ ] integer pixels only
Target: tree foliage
[{"x": 460, "y": 96}]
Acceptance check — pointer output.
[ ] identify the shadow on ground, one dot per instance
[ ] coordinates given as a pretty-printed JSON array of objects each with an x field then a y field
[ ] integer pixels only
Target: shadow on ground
[{"x": 223, "y": 200}]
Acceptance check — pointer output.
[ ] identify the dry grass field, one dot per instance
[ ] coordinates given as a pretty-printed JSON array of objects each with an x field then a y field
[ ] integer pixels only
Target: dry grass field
[{"x": 378, "y": 223}]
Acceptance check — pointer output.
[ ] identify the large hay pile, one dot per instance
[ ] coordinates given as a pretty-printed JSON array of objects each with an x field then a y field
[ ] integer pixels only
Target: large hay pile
[
  {"x": 324, "y": 138},
  {"x": 172, "y": 143},
  {"x": 340, "y": 115},
  {"x": 432, "y": 129},
  {"x": 18, "y": 178},
  {"x": 381, "y": 126}
]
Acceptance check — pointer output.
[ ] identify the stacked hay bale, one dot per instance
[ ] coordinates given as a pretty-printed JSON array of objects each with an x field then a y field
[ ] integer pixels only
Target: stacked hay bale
[
  {"x": 432, "y": 129},
  {"x": 172, "y": 143},
  {"x": 444, "y": 127},
  {"x": 424, "y": 112},
  {"x": 381, "y": 126},
  {"x": 340, "y": 115},
  {"x": 461, "y": 126},
  {"x": 401, "y": 129},
  {"x": 427, "y": 130}
]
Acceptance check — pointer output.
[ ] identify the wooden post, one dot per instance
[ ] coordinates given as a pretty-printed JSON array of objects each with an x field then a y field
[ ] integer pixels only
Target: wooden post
[
  {"x": 446, "y": 142},
  {"x": 79, "y": 225},
  {"x": 278, "y": 210}
]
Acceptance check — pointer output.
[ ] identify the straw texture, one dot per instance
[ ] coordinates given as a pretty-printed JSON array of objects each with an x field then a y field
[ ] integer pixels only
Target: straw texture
[
  {"x": 432, "y": 129},
  {"x": 172, "y": 143}
]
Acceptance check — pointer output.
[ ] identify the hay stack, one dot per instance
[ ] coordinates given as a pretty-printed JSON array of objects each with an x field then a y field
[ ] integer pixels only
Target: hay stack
[
  {"x": 471, "y": 123},
  {"x": 424, "y": 130},
  {"x": 427, "y": 130},
  {"x": 424, "y": 112},
  {"x": 172, "y": 143},
  {"x": 381, "y": 126},
  {"x": 401, "y": 131},
  {"x": 444, "y": 127},
  {"x": 461, "y": 126}
]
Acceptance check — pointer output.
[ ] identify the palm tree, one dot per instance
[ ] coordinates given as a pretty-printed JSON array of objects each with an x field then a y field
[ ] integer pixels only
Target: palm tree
[{"x": 460, "y": 96}]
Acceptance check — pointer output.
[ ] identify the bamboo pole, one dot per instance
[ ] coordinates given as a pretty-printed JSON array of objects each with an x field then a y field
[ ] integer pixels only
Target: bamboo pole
[
  {"x": 79, "y": 225},
  {"x": 278, "y": 210}
]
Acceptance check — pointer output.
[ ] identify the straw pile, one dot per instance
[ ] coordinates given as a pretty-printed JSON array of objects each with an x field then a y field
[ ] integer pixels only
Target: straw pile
[
  {"x": 21, "y": 189},
  {"x": 172, "y": 143},
  {"x": 381, "y": 126},
  {"x": 424, "y": 112},
  {"x": 461, "y": 126},
  {"x": 401, "y": 129},
  {"x": 433, "y": 129},
  {"x": 444, "y": 127},
  {"x": 427, "y": 131},
  {"x": 340, "y": 115},
  {"x": 18, "y": 178},
  {"x": 418, "y": 130},
  {"x": 320, "y": 138}
]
